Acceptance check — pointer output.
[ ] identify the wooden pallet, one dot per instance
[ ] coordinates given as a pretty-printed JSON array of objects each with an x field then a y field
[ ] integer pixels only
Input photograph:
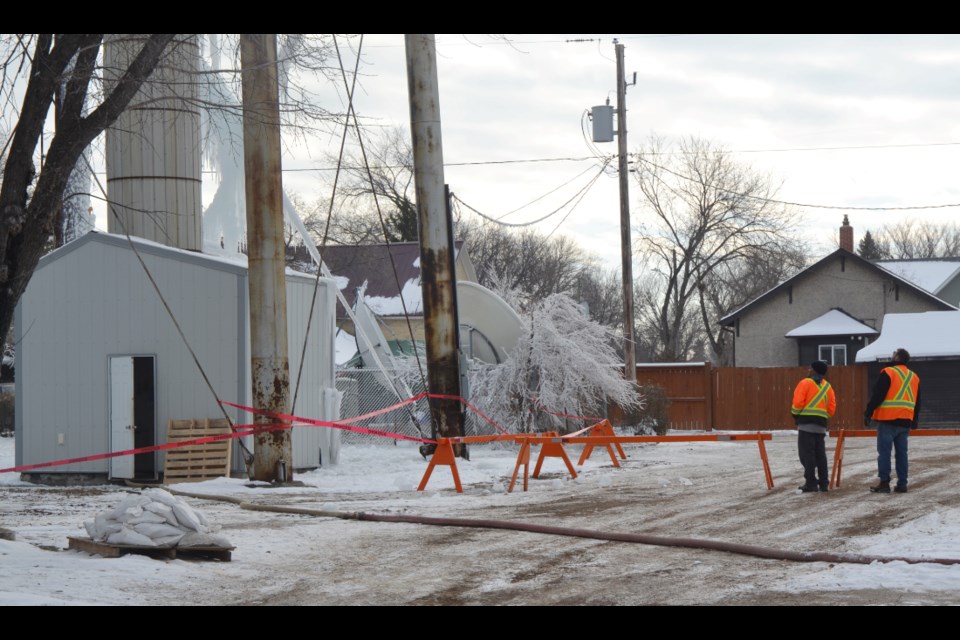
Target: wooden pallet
[
  {"x": 197, "y": 462},
  {"x": 116, "y": 550}
]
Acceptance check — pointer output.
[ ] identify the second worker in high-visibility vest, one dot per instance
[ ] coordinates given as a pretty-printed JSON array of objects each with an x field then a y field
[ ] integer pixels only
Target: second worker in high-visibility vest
[
  {"x": 814, "y": 403},
  {"x": 894, "y": 409}
]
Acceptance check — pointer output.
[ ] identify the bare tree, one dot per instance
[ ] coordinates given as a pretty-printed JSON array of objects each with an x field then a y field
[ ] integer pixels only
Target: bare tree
[
  {"x": 37, "y": 167},
  {"x": 30, "y": 198},
  {"x": 377, "y": 177},
  {"x": 705, "y": 211},
  {"x": 534, "y": 264},
  {"x": 919, "y": 240},
  {"x": 735, "y": 283}
]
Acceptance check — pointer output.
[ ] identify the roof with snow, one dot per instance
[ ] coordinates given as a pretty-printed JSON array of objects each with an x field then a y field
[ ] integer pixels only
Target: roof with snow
[
  {"x": 931, "y": 334},
  {"x": 835, "y": 322},
  {"x": 931, "y": 275},
  {"x": 352, "y": 265},
  {"x": 731, "y": 317}
]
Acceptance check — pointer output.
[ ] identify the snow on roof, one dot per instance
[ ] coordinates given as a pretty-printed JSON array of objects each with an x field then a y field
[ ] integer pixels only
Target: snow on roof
[
  {"x": 394, "y": 306},
  {"x": 833, "y": 323},
  {"x": 929, "y": 334},
  {"x": 931, "y": 275}
]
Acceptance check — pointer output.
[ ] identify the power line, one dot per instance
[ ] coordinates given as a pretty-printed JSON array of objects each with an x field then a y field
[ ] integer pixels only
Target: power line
[{"x": 797, "y": 204}]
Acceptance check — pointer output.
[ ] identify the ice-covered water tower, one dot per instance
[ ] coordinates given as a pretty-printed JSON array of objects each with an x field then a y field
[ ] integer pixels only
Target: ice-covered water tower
[{"x": 153, "y": 149}]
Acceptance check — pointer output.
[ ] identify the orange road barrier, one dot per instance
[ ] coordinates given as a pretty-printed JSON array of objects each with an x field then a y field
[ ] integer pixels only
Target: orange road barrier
[
  {"x": 842, "y": 434},
  {"x": 758, "y": 436},
  {"x": 603, "y": 428},
  {"x": 552, "y": 446},
  {"x": 442, "y": 455},
  {"x": 523, "y": 458}
]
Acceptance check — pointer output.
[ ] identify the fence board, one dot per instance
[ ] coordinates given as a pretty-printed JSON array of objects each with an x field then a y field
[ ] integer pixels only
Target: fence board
[{"x": 749, "y": 399}]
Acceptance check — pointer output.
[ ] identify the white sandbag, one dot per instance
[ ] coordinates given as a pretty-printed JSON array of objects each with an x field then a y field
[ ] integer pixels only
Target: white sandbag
[
  {"x": 163, "y": 496},
  {"x": 146, "y": 516},
  {"x": 126, "y": 535},
  {"x": 164, "y": 510},
  {"x": 153, "y": 530},
  {"x": 169, "y": 541},
  {"x": 195, "y": 539},
  {"x": 101, "y": 526},
  {"x": 128, "y": 501},
  {"x": 203, "y": 519},
  {"x": 187, "y": 517}
]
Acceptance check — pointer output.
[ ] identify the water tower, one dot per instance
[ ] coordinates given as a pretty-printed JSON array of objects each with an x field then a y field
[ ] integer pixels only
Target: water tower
[{"x": 153, "y": 149}]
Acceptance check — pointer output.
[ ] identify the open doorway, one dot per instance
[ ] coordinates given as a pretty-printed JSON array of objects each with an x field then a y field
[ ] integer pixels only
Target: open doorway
[{"x": 133, "y": 416}]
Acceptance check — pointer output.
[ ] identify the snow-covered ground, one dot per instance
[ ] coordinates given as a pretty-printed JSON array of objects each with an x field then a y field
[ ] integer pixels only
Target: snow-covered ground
[{"x": 329, "y": 555}]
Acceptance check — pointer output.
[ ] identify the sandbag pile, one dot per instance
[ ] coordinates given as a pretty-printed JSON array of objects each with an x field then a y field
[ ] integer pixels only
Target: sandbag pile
[{"x": 154, "y": 518}]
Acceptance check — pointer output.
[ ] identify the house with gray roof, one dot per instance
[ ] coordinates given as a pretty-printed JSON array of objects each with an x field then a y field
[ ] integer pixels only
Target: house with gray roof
[{"x": 830, "y": 311}]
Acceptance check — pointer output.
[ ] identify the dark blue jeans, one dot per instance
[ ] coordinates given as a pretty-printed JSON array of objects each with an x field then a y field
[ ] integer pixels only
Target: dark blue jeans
[{"x": 889, "y": 436}]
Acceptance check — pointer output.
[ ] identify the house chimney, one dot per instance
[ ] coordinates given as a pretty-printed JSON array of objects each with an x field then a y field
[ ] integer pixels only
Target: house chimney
[{"x": 846, "y": 235}]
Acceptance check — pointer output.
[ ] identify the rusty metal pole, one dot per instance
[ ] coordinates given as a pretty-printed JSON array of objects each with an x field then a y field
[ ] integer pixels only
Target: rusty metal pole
[
  {"x": 270, "y": 371},
  {"x": 436, "y": 252},
  {"x": 626, "y": 248}
]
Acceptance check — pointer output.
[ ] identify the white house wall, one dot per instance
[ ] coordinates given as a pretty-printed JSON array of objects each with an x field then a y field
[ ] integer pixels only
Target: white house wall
[{"x": 856, "y": 289}]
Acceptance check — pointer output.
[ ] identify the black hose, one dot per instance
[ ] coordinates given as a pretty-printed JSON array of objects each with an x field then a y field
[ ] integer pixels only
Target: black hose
[{"x": 639, "y": 538}]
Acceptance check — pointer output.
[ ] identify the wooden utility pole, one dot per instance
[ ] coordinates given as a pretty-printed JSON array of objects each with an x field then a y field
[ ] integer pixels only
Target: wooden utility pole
[
  {"x": 626, "y": 249},
  {"x": 270, "y": 370},
  {"x": 436, "y": 249}
]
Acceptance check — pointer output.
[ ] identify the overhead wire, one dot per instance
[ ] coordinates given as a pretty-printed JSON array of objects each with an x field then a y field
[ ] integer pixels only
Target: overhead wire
[
  {"x": 640, "y": 158},
  {"x": 576, "y": 197},
  {"x": 386, "y": 237}
]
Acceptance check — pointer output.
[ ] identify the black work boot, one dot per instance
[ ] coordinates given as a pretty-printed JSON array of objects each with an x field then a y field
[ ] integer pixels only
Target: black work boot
[
  {"x": 900, "y": 488},
  {"x": 882, "y": 487}
]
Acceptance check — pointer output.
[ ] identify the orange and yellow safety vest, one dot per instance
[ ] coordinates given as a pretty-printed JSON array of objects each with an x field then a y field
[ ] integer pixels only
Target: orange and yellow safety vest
[
  {"x": 811, "y": 399},
  {"x": 901, "y": 399}
]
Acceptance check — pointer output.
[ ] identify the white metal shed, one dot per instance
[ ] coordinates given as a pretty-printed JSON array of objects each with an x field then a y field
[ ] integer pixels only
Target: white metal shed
[{"x": 91, "y": 331}]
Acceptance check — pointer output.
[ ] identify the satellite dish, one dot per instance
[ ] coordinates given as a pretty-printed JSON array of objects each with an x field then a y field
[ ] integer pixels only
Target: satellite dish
[{"x": 493, "y": 327}]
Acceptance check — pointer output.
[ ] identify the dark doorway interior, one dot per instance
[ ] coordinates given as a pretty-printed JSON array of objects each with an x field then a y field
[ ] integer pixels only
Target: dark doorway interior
[{"x": 144, "y": 412}]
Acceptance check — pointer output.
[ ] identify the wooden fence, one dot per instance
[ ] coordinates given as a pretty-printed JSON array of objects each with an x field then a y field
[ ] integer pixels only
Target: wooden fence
[{"x": 749, "y": 399}]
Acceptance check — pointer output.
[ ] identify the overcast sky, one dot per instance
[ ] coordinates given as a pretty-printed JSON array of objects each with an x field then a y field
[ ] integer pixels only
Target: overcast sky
[{"x": 841, "y": 120}]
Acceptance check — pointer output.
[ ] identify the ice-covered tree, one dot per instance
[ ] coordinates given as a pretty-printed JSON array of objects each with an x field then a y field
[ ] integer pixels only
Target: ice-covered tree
[{"x": 565, "y": 364}]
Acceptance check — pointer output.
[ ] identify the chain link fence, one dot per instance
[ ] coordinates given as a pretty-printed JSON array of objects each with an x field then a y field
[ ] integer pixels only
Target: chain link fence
[{"x": 369, "y": 391}]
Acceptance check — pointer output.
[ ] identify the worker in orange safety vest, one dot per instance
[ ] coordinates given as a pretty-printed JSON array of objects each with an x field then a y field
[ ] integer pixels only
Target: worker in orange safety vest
[
  {"x": 894, "y": 408},
  {"x": 814, "y": 403}
]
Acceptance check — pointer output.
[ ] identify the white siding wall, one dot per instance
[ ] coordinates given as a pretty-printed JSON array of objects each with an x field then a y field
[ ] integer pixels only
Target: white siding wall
[
  {"x": 92, "y": 300},
  {"x": 95, "y": 301},
  {"x": 312, "y": 446}
]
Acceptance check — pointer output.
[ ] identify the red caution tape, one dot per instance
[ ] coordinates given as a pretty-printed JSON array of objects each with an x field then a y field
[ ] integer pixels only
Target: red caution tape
[
  {"x": 250, "y": 429},
  {"x": 325, "y": 423},
  {"x": 239, "y": 431}
]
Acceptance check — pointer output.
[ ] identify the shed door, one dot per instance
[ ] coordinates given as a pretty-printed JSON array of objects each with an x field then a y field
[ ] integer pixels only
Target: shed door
[{"x": 132, "y": 411}]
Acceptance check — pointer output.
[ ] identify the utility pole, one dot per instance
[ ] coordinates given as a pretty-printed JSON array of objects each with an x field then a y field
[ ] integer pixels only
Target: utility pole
[
  {"x": 270, "y": 369},
  {"x": 626, "y": 249},
  {"x": 436, "y": 248}
]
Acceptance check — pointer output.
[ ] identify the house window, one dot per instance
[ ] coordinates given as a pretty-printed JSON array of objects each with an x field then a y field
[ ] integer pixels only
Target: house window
[{"x": 834, "y": 354}]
